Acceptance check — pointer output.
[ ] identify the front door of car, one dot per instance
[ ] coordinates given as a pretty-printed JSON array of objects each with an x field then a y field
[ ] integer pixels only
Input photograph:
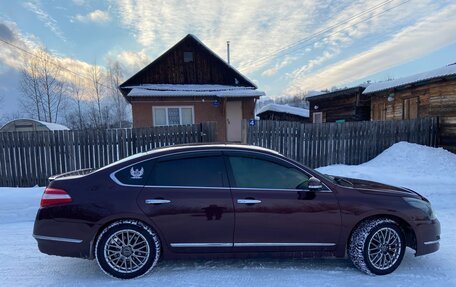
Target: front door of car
[
  {"x": 188, "y": 199},
  {"x": 275, "y": 211}
]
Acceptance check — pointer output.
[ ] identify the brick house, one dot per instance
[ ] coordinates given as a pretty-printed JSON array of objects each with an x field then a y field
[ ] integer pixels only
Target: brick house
[{"x": 190, "y": 84}]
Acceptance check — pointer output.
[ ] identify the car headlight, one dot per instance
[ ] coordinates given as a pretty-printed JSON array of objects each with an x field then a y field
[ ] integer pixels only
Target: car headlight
[{"x": 422, "y": 205}]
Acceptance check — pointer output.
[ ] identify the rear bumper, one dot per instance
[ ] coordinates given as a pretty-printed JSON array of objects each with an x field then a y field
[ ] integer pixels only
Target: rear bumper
[
  {"x": 61, "y": 238},
  {"x": 427, "y": 237}
]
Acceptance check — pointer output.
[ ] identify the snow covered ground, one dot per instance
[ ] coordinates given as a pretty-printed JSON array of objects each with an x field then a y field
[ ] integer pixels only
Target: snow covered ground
[{"x": 430, "y": 171}]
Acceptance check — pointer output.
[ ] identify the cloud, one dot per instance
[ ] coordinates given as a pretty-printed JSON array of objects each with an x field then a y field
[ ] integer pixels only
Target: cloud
[
  {"x": 264, "y": 34},
  {"x": 255, "y": 28},
  {"x": 427, "y": 35},
  {"x": 133, "y": 61},
  {"x": 23, "y": 48},
  {"x": 96, "y": 16},
  {"x": 5, "y": 33},
  {"x": 274, "y": 69},
  {"x": 43, "y": 16},
  {"x": 79, "y": 2}
]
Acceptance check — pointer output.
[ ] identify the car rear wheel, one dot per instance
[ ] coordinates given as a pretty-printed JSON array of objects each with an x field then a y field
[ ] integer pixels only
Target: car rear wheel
[
  {"x": 377, "y": 246},
  {"x": 127, "y": 249}
]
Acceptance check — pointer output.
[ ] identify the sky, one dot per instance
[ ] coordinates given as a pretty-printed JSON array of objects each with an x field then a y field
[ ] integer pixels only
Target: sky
[{"x": 285, "y": 47}]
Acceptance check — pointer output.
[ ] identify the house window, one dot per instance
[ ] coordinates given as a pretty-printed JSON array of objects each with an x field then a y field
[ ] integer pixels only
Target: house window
[
  {"x": 188, "y": 57},
  {"x": 318, "y": 118},
  {"x": 170, "y": 116}
]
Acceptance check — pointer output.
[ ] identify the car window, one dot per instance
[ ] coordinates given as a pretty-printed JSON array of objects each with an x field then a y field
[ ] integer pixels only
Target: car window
[
  {"x": 135, "y": 174},
  {"x": 204, "y": 171},
  {"x": 249, "y": 172}
]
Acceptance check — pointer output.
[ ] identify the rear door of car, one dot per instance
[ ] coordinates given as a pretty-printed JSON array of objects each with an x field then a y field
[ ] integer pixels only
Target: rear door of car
[
  {"x": 187, "y": 196},
  {"x": 273, "y": 213}
]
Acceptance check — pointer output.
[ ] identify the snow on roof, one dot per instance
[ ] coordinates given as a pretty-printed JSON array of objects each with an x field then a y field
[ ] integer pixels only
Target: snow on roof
[
  {"x": 54, "y": 126},
  {"x": 163, "y": 90},
  {"x": 284, "y": 109},
  {"x": 449, "y": 70},
  {"x": 314, "y": 93},
  {"x": 337, "y": 92}
]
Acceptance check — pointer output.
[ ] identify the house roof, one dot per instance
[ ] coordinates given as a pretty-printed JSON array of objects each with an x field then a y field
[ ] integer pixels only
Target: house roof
[
  {"x": 439, "y": 73},
  {"x": 231, "y": 74},
  {"x": 167, "y": 90},
  {"x": 337, "y": 93},
  {"x": 284, "y": 109}
]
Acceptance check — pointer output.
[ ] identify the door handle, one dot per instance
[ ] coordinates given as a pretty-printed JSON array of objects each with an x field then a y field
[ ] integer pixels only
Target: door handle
[
  {"x": 248, "y": 201},
  {"x": 157, "y": 201}
]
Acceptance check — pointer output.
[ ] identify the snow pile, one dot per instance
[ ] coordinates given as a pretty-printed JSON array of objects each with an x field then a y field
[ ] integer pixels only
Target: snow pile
[
  {"x": 425, "y": 169},
  {"x": 284, "y": 109},
  {"x": 446, "y": 71}
]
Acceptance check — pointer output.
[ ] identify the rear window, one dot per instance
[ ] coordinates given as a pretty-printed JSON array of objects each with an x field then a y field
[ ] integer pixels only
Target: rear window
[{"x": 204, "y": 171}]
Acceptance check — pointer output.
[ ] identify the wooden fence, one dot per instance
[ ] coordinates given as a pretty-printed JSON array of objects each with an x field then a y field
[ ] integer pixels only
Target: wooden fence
[
  {"x": 318, "y": 145},
  {"x": 29, "y": 158}
]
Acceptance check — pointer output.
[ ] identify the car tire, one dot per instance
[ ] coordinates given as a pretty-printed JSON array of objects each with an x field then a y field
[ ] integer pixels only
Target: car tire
[
  {"x": 127, "y": 249},
  {"x": 377, "y": 246}
]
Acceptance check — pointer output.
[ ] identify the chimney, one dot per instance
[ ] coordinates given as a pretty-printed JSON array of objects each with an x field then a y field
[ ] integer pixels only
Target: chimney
[{"x": 228, "y": 51}]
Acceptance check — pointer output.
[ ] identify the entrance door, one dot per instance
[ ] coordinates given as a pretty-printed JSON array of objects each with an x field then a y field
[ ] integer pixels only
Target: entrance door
[{"x": 233, "y": 121}]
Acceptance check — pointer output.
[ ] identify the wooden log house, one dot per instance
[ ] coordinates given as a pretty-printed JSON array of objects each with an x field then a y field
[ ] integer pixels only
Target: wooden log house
[
  {"x": 429, "y": 94},
  {"x": 345, "y": 105}
]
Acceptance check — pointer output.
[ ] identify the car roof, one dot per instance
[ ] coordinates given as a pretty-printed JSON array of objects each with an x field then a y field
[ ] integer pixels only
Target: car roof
[
  {"x": 200, "y": 146},
  {"x": 190, "y": 147}
]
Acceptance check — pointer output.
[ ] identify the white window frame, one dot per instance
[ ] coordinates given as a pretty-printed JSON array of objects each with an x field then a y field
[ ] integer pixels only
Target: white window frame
[{"x": 166, "y": 114}]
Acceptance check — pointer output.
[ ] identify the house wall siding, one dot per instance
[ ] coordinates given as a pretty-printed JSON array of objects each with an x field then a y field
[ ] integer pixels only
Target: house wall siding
[{"x": 171, "y": 68}]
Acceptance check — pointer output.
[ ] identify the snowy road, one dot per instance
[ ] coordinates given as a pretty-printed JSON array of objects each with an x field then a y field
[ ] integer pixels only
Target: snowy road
[{"x": 432, "y": 172}]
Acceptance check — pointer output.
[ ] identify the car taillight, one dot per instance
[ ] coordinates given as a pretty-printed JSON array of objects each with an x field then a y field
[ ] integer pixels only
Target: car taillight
[{"x": 53, "y": 196}]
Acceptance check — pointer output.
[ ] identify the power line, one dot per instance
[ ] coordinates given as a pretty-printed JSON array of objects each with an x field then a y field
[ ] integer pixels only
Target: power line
[
  {"x": 55, "y": 64},
  {"x": 298, "y": 44}
]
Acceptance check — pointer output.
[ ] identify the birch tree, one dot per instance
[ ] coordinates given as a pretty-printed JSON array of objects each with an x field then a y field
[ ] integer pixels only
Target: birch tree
[{"x": 43, "y": 93}]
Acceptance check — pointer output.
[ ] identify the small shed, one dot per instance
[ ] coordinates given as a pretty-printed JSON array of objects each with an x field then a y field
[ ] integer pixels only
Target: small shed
[
  {"x": 345, "y": 105},
  {"x": 278, "y": 112},
  {"x": 190, "y": 84},
  {"x": 31, "y": 125},
  {"x": 428, "y": 94}
]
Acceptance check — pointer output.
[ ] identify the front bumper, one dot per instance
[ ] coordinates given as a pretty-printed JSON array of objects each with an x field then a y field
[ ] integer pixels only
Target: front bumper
[{"x": 427, "y": 237}]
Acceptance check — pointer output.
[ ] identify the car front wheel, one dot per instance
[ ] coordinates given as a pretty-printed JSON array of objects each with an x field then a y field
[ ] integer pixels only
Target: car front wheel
[
  {"x": 377, "y": 246},
  {"x": 127, "y": 249}
]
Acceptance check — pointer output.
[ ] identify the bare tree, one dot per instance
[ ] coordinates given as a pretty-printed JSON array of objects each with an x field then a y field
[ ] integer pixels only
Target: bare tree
[
  {"x": 120, "y": 105},
  {"x": 43, "y": 92},
  {"x": 97, "y": 78},
  {"x": 75, "y": 117}
]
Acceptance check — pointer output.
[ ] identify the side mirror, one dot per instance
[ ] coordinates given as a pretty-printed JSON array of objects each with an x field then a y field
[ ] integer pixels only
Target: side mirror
[{"x": 314, "y": 184}]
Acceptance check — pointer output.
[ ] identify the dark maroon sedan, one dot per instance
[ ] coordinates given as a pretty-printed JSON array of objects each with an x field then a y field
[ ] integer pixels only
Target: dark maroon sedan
[{"x": 219, "y": 200}]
